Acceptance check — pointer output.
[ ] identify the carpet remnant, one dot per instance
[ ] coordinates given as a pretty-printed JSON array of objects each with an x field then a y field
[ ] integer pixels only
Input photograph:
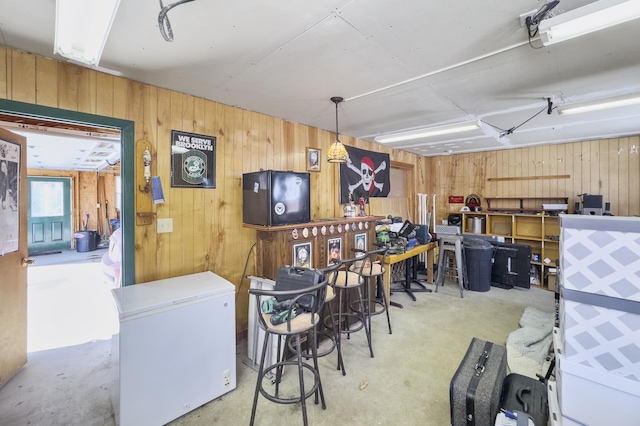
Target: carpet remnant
[{"x": 528, "y": 347}]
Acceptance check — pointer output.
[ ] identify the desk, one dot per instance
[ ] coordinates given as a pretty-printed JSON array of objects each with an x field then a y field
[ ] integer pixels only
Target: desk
[{"x": 392, "y": 259}]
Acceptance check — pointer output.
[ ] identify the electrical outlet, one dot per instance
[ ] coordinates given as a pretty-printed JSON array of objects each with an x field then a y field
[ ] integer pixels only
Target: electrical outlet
[{"x": 165, "y": 225}]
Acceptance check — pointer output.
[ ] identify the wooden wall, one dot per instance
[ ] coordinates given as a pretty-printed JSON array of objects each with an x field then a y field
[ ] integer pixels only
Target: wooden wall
[
  {"x": 610, "y": 167},
  {"x": 208, "y": 232}
]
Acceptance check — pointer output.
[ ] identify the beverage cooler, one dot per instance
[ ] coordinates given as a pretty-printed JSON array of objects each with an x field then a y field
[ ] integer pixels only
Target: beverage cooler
[{"x": 272, "y": 198}]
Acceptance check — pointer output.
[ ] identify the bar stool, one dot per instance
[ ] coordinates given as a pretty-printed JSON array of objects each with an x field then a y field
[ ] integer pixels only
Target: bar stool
[
  {"x": 297, "y": 322},
  {"x": 349, "y": 281},
  {"x": 371, "y": 267},
  {"x": 452, "y": 244},
  {"x": 330, "y": 273}
]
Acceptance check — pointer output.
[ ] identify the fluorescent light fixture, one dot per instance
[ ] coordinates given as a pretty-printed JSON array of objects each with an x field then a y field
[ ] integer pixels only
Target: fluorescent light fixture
[
  {"x": 593, "y": 106},
  {"x": 82, "y": 27},
  {"x": 584, "y": 20},
  {"x": 429, "y": 132}
]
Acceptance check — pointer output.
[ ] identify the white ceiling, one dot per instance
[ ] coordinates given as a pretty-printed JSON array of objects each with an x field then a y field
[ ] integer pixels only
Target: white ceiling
[
  {"x": 61, "y": 147},
  {"x": 398, "y": 64}
]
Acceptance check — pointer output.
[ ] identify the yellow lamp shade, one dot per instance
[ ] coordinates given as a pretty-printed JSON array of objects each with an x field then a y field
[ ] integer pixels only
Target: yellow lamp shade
[{"x": 337, "y": 153}]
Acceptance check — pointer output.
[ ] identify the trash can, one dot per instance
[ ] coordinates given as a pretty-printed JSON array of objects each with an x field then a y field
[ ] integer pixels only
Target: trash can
[
  {"x": 86, "y": 241},
  {"x": 478, "y": 255}
]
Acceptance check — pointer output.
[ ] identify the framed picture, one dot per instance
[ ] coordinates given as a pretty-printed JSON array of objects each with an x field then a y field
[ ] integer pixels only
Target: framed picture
[
  {"x": 302, "y": 255},
  {"x": 193, "y": 160},
  {"x": 334, "y": 250},
  {"x": 313, "y": 159},
  {"x": 361, "y": 243}
]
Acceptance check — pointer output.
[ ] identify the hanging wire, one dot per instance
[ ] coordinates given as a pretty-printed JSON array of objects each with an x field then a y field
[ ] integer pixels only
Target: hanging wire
[
  {"x": 163, "y": 19},
  {"x": 504, "y": 132}
]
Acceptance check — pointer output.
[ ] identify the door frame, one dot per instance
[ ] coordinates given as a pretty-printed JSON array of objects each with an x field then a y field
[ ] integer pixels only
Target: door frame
[{"x": 127, "y": 165}]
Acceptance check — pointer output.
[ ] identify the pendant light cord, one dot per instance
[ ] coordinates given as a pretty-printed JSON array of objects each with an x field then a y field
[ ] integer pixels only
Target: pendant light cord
[
  {"x": 336, "y": 100},
  {"x": 163, "y": 19}
]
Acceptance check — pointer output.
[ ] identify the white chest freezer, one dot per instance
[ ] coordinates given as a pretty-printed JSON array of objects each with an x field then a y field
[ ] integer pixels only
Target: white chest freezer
[{"x": 175, "y": 349}]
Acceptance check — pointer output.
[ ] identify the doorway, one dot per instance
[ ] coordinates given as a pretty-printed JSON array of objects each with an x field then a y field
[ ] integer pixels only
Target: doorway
[
  {"x": 48, "y": 214},
  {"x": 44, "y": 363}
]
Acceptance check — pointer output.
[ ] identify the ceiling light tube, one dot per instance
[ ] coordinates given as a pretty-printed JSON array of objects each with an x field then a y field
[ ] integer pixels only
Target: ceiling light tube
[
  {"x": 580, "y": 108},
  {"x": 584, "y": 20},
  {"x": 429, "y": 132},
  {"x": 82, "y": 28}
]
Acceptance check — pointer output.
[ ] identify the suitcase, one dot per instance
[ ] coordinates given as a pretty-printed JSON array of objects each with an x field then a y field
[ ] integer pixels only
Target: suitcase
[
  {"x": 476, "y": 386},
  {"x": 524, "y": 394},
  {"x": 293, "y": 278}
]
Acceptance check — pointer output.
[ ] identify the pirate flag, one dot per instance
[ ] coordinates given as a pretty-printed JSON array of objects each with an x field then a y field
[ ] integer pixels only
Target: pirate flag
[{"x": 365, "y": 174}]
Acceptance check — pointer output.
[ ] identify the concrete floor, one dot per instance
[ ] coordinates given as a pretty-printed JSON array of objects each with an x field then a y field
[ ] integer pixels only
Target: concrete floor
[{"x": 67, "y": 378}]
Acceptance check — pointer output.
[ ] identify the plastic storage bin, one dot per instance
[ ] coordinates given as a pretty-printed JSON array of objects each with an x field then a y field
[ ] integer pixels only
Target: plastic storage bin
[
  {"x": 478, "y": 254},
  {"x": 86, "y": 241}
]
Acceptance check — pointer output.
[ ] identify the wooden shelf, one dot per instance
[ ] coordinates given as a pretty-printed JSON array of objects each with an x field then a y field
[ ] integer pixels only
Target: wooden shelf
[{"x": 524, "y": 204}]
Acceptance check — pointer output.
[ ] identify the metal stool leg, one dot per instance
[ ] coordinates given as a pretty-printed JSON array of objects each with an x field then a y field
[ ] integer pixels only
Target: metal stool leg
[{"x": 460, "y": 266}]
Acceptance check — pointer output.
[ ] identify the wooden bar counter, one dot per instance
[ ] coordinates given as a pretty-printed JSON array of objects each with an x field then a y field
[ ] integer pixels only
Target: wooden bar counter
[{"x": 309, "y": 244}]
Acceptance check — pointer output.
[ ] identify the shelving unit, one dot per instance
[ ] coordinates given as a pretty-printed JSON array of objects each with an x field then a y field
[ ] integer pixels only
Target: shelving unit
[
  {"x": 523, "y": 204},
  {"x": 539, "y": 231}
]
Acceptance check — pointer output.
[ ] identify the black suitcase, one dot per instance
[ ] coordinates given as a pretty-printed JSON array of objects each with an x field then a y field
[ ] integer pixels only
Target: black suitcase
[
  {"x": 293, "y": 278},
  {"x": 476, "y": 386},
  {"x": 525, "y": 395}
]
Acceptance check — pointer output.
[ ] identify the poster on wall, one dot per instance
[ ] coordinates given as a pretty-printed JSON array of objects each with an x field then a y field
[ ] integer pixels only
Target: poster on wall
[
  {"x": 193, "y": 160},
  {"x": 366, "y": 174},
  {"x": 9, "y": 197}
]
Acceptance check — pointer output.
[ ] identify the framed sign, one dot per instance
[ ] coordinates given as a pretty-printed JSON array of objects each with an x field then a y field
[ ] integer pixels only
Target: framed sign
[
  {"x": 193, "y": 160},
  {"x": 313, "y": 159},
  {"x": 302, "y": 255},
  {"x": 361, "y": 243},
  {"x": 334, "y": 250},
  {"x": 9, "y": 197}
]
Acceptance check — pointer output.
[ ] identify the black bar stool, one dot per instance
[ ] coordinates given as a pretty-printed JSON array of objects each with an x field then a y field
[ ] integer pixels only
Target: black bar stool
[
  {"x": 330, "y": 273},
  {"x": 292, "y": 323},
  {"x": 349, "y": 281},
  {"x": 371, "y": 268}
]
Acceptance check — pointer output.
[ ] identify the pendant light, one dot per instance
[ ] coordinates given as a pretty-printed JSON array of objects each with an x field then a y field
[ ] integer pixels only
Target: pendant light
[{"x": 337, "y": 152}]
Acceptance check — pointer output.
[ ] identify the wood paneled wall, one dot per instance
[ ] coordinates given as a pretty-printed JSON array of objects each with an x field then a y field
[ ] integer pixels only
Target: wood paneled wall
[
  {"x": 610, "y": 167},
  {"x": 208, "y": 232}
]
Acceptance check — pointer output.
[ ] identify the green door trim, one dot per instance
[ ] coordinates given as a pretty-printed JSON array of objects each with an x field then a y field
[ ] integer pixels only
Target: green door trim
[{"x": 127, "y": 137}]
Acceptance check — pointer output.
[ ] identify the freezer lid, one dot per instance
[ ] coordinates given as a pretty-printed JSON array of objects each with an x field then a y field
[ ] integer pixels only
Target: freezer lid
[{"x": 144, "y": 297}]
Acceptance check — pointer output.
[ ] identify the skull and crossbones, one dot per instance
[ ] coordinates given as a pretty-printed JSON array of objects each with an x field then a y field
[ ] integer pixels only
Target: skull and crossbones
[{"x": 367, "y": 174}]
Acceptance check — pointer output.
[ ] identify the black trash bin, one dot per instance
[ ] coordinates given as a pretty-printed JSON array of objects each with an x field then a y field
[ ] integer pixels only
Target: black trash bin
[
  {"x": 478, "y": 255},
  {"x": 86, "y": 241}
]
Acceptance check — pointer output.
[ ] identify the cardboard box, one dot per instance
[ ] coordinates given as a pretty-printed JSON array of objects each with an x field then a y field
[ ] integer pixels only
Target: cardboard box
[{"x": 551, "y": 282}]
